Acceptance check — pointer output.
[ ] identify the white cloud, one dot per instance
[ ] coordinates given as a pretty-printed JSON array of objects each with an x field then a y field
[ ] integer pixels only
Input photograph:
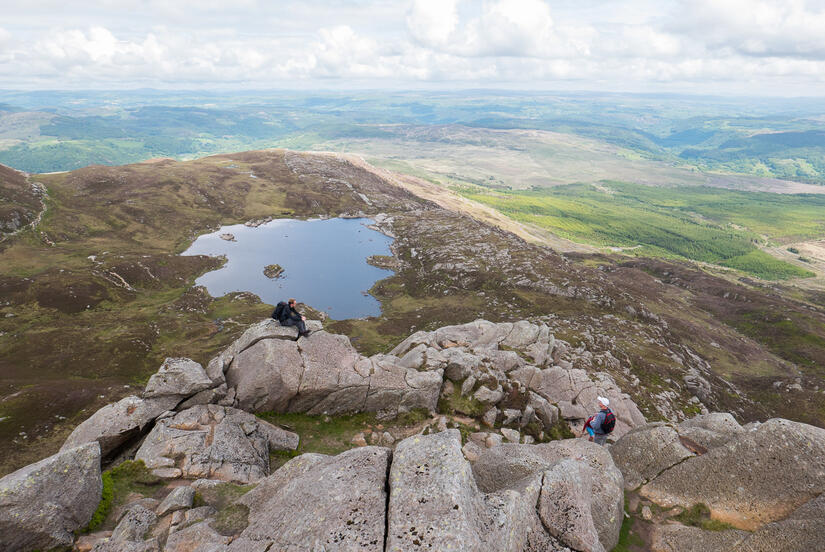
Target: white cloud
[
  {"x": 783, "y": 28},
  {"x": 432, "y": 22},
  {"x": 511, "y": 28},
  {"x": 635, "y": 44}
]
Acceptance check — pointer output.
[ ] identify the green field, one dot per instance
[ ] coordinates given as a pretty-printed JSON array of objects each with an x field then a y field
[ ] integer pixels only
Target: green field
[{"x": 710, "y": 225}]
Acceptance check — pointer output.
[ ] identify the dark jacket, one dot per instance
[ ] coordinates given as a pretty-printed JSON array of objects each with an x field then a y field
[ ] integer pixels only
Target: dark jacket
[{"x": 289, "y": 313}]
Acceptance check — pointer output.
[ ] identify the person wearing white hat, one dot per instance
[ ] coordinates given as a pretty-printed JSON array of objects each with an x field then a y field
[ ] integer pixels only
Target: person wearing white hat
[{"x": 601, "y": 424}]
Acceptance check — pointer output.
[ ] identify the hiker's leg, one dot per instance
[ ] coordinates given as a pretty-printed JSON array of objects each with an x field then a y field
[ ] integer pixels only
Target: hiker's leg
[
  {"x": 302, "y": 327},
  {"x": 600, "y": 438}
]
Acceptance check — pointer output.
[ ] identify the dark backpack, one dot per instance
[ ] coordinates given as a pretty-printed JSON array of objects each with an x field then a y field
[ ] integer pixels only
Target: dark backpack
[
  {"x": 280, "y": 311},
  {"x": 609, "y": 422}
]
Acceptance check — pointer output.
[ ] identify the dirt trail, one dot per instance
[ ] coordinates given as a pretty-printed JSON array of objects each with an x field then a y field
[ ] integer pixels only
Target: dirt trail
[
  {"x": 813, "y": 251},
  {"x": 449, "y": 200}
]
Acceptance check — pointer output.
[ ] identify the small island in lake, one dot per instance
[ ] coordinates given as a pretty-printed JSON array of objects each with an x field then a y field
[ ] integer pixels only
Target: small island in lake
[{"x": 273, "y": 271}]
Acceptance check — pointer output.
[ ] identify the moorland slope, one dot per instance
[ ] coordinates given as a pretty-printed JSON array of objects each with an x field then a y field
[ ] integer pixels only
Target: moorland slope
[{"x": 96, "y": 296}]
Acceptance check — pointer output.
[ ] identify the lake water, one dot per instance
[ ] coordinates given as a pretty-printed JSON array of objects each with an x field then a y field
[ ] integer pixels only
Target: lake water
[{"x": 324, "y": 263}]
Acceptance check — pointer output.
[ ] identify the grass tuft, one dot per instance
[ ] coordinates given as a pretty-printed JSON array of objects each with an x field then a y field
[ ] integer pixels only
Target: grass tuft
[
  {"x": 699, "y": 516},
  {"x": 107, "y": 495},
  {"x": 131, "y": 476},
  {"x": 460, "y": 404}
]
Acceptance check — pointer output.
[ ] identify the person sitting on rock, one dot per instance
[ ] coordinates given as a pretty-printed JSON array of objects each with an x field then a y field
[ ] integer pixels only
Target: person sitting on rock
[
  {"x": 601, "y": 424},
  {"x": 288, "y": 316}
]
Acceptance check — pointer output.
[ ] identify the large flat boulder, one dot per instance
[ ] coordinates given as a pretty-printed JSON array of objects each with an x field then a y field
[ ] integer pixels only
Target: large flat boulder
[
  {"x": 329, "y": 382},
  {"x": 756, "y": 478},
  {"x": 566, "y": 505},
  {"x": 644, "y": 452},
  {"x": 802, "y": 530},
  {"x": 394, "y": 388},
  {"x": 503, "y": 466},
  {"x": 317, "y": 502},
  {"x": 434, "y": 503},
  {"x": 213, "y": 442},
  {"x": 682, "y": 538},
  {"x": 117, "y": 423},
  {"x": 323, "y": 374},
  {"x": 177, "y": 377},
  {"x": 710, "y": 430},
  {"x": 266, "y": 375},
  {"x": 42, "y": 504}
]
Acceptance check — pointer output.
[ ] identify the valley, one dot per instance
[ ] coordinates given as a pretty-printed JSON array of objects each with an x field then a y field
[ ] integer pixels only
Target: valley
[{"x": 98, "y": 295}]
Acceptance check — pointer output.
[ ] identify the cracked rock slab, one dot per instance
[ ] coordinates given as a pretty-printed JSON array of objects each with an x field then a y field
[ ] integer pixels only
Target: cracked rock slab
[
  {"x": 317, "y": 502},
  {"x": 565, "y": 506},
  {"x": 575, "y": 392},
  {"x": 756, "y": 478},
  {"x": 266, "y": 375},
  {"x": 434, "y": 503},
  {"x": 177, "y": 376},
  {"x": 504, "y": 466},
  {"x": 116, "y": 423},
  {"x": 644, "y": 452},
  {"x": 42, "y": 504},
  {"x": 215, "y": 442}
]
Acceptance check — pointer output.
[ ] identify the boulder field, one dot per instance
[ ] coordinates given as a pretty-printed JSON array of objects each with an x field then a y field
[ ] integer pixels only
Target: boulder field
[{"x": 195, "y": 430}]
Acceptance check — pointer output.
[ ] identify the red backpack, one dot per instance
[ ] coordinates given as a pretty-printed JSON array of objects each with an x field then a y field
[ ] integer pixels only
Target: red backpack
[{"x": 609, "y": 421}]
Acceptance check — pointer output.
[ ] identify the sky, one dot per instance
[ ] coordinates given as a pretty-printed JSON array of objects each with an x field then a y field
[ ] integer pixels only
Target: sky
[{"x": 754, "y": 47}]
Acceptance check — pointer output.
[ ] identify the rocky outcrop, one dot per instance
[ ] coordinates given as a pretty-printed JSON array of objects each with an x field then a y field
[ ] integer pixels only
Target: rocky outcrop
[
  {"x": 575, "y": 392},
  {"x": 179, "y": 377},
  {"x": 435, "y": 504},
  {"x": 117, "y": 423},
  {"x": 42, "y": 504},
  {"x": 800, "y": 531},
  {"x": 324, "y": 374},
  {"x": 317, "y": 502},
  {"x": 426, "y": 493},
  {"x": 508, "y": 367},
  {"x": 216, "y": 442},
  {"x": 755, "y": 478},
  {"x": 764, "y": 478},
  {"x": 511, "y": 365},
  {"x": 422, "y": 495},
  {"x": 180, "y": 383},
  {"x": 440, "y": 491},
  {"x": 594, "y": 486},
  {"x": 645, "y": 452}
]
